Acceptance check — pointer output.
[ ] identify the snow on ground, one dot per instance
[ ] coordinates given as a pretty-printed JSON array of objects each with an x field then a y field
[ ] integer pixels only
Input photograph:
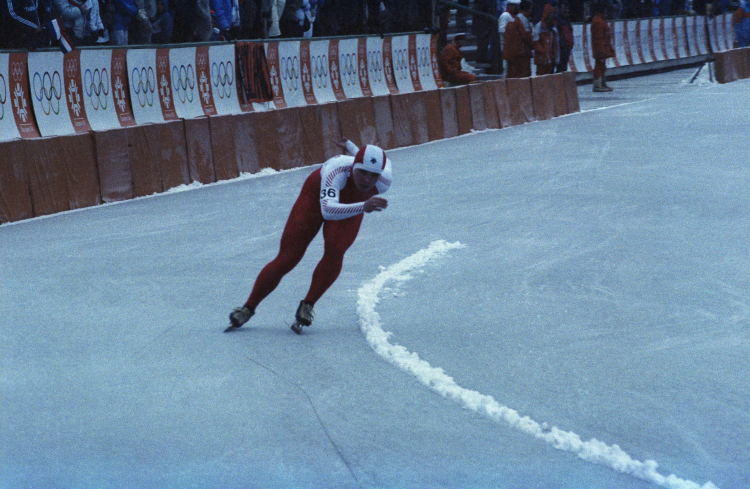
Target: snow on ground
[{"x": 558, "y": 304}]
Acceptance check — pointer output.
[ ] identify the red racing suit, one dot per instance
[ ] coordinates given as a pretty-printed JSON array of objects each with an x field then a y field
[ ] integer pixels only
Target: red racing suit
[{"x": 329, "y": 199}]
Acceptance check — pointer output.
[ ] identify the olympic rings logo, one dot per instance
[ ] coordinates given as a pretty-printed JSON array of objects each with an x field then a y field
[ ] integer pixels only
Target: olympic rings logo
[
  {"x": 320, "y": 70},
  {"x": 48, "y": 90},
  {"x": 290, "y": 72},
  {"x": 375, "y": 66},
  {"x": 183, "y": 82},
  {"x": 222, "y": 79},
  {"x": 144, "y": 85},
  {"x": 348, "y": 68},
  {"x": 3, "y": 96},
  {"x": 400, "y": 64},
  {"x": 96, "y": 86}
]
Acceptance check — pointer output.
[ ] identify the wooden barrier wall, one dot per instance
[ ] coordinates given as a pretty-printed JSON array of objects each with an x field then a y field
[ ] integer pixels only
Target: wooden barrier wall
[{"x": 42, "y": 176}]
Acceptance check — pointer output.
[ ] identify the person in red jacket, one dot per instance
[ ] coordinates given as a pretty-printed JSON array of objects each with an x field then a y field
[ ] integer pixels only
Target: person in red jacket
[
  {"x": 601, "y": 44},
  {"x": 450, "y": 62},
  {"x": 519, "y": 43},
  {"x": 546, "y": 43}
]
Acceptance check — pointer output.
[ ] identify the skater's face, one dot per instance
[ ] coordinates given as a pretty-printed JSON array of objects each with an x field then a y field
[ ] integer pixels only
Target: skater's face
[{"x": 364, "y": 180}]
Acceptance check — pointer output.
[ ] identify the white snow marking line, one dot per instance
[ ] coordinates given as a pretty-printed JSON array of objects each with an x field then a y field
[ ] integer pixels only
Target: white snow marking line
[{"x": 593, "y": 450}]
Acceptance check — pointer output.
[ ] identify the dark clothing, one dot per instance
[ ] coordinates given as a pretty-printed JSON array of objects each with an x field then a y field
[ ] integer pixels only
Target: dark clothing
[{"x": 162, "y": 28}]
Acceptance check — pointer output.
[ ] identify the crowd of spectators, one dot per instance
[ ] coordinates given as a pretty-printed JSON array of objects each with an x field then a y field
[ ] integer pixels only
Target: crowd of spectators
[
  {"x": 129, "y": 22},
  {"x": 23, "y": 23}
]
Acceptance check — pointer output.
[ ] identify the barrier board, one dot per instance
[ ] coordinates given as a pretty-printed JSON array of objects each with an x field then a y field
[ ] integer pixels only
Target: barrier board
[
  {"x": 434, "y": 115},
  {"x": 543, "y": 97},
  {"x": 15, "y": 198},
  {"x": 381, "y": 106},
  {"x": 200, "y": 159},
  {"x": 449, "y": 112},
  {"x": 463, "y": 110},
  {"x": 476, "y": 96},
  {"x": 410, "y": 112},
  {"x": 113, "y": 159},
  {"x": 500, "y": 89},
  {"x": 357, "y": 119},
  {"x": 519, "y": 98}
]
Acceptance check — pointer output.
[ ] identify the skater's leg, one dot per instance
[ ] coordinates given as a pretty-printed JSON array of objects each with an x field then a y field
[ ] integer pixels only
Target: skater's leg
[
  {"x": 303, "y": 224},
  {"x": 338, "y": 236}
]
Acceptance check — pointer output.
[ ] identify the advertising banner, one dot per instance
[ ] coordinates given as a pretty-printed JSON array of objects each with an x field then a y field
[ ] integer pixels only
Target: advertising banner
[{"x": 48, "y": 93}]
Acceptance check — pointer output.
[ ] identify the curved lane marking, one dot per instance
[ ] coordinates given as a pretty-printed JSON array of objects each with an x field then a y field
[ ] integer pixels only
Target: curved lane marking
[{"x": 593, "y": 450}]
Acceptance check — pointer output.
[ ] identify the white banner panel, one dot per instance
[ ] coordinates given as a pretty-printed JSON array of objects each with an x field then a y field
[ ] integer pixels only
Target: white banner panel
[
  {"x": 98, "y": 99},
  {"x": 222, "y": 79},
  {"x": 426, "y": 61},
  {"x": 187, "y": 102},
  {"x": 400, "y": 58},
  {"x": 320, "y": 74},
  {"x": 8, "y": 103},
  {"x": 290, "y": 73},
  {"x": 144, "y": 98},
  {"x": 47, "y": 86},
  {"x": 377, "y": 71},
  {"x": 349, "y": 67}
]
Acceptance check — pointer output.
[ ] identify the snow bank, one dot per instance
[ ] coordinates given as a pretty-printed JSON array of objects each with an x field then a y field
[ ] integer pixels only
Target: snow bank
[{"x": 593, "y": 450}]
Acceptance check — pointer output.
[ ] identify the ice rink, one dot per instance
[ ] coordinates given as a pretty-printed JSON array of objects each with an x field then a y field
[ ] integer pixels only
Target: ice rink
[{"x": 562, "y": 304}]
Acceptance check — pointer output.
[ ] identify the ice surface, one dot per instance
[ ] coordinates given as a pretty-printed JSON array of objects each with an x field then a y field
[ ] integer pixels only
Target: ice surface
[{"x": 569, "y": 301}]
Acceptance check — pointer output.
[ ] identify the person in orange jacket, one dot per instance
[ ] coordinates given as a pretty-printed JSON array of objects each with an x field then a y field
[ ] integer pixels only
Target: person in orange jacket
[
  {"x": 546, "y": 42},
  {"x": 601, "y": 44},
  {"x": 450, "y": 62},
  {"x": 519, "y": 43}
]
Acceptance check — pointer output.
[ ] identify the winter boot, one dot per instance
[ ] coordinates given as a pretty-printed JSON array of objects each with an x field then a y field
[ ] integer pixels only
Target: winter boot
[
  {"x": 604, "y": 84},
  {"x": 599, "y": 85},
  {"x": 240, "y": 316},
  {"x": 304, "y": 313}
]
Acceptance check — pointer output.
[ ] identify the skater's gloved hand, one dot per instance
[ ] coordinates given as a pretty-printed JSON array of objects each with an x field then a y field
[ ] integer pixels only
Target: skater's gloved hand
[{"x": 375, "y": 204}]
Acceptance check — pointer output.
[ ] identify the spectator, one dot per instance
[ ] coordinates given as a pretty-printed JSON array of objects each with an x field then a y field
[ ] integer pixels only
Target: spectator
[
  {"x": 124, "y": 12},
  {"x": 294, "y": 22},
  {"x": 221, "y": 19},
  {"x": 140, "y": 28},
  {"x": 565, "y": 35},
  {"x": 506, "y": 17},
  {"x": 202, "y": 24},
  {"x": 277, "y": 9},
  {"x": 451, "y": 62},
  {"x": 602, "y": 47},
  {"x": 519, "y": 43},
  {"x": 482, "y": 28},
  {"x": 23, "y": 24},
  {"x": 741, "y": 21},
  {"x": 80, "y": 19},
  {"x": 162, "y": 24},
  {"x": 546, "y": 43},
  {"x": 253, "y": 15}
]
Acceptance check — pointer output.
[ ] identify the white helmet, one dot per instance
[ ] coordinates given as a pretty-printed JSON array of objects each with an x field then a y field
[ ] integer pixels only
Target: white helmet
[{"x": 370, "y": 158}]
